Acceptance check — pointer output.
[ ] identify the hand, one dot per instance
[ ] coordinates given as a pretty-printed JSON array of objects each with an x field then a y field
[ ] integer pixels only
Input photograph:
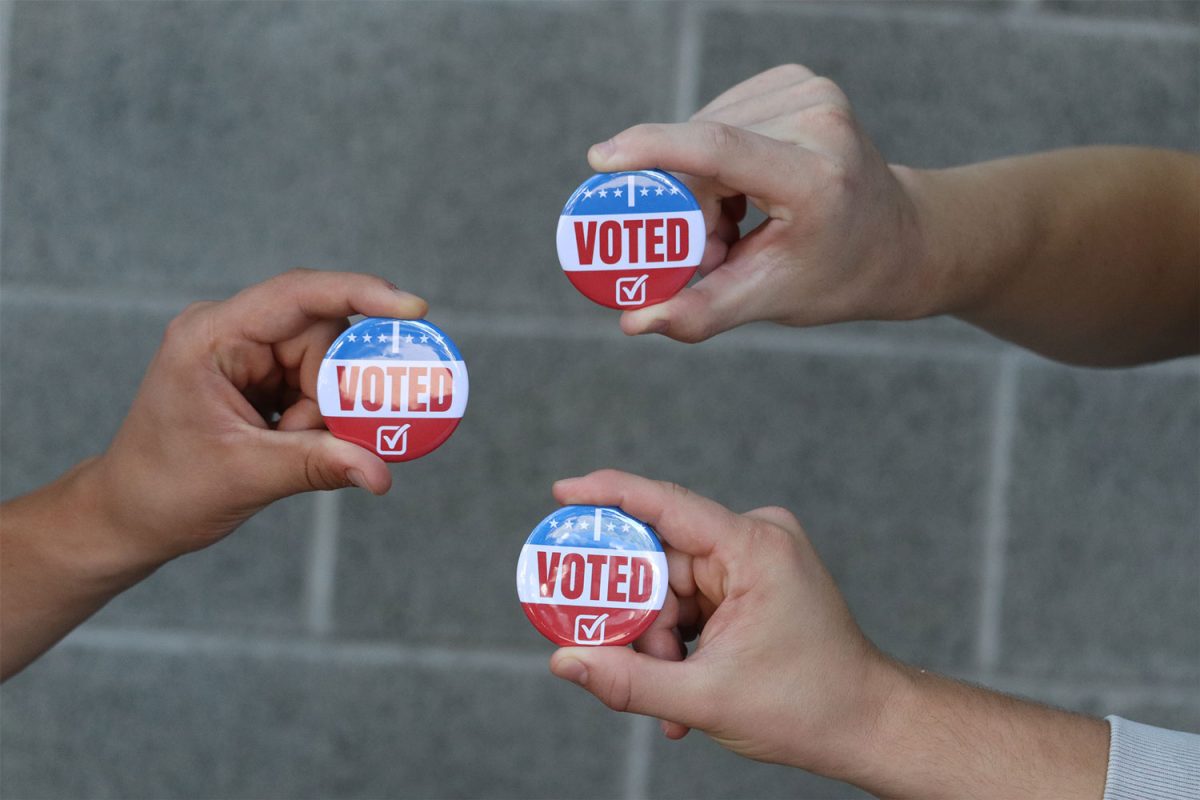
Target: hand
[
  {"x": 841, "y": 240},
  {"x": 226, "y": 420},
  {"x": 781, "y": 671}
]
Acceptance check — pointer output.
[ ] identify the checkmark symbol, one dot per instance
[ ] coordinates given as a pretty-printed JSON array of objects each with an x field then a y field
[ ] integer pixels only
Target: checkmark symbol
[
  {"x": 632, "y": 289},
  {"x": 589, "y": 633},
  {"x": 392, "y": 440}
]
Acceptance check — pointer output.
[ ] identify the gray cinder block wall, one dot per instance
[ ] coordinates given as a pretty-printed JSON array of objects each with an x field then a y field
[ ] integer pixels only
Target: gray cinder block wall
[{"x": 988, "y": 513}]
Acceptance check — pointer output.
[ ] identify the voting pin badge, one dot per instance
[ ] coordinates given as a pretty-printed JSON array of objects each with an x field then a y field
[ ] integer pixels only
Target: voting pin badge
[
  {"x": 592, "y": 575},
  {"x": 397, "y": 387},
  {"x": 631, "y": 239}
]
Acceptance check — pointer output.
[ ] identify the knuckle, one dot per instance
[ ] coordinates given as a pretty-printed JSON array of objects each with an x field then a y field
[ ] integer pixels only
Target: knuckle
[
  {"x": 834, "y": 117},
  {"x": 778, "y": 515},
  {"x": 180, "y": 328},
  {"x": 317, "y": 475},
  {"x": 720, "y": 137},
  {"x": 825, "y": 88},
  {"x": 618, "y": 694},
  {"x": 693, "y": 332},
  {"x": 676, "y": 490},
  {"x": 798, "y": 71}
]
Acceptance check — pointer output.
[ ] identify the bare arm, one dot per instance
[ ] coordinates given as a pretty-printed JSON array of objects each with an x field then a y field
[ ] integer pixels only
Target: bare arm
[
  {"x": 196, "y": 456},
  {"x": 782, "y": 673},
  {"x": 1089, "y": 255},
  {"x": 61, "y": 559}
]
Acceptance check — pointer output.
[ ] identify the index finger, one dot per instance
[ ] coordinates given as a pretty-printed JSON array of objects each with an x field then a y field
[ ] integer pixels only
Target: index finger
[
  {"x": 282, "y": 307},
  {"x": 741, "y": 161},
  {"x": 688, "y": 522}
]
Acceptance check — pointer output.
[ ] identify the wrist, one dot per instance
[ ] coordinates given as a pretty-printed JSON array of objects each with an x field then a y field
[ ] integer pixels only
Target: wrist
[
  {"x": 940, "y": 738},
  {"x": 932, "y": 256},
  {"x": 97, "y": 548},
  {"x": 859, "y": 746}
]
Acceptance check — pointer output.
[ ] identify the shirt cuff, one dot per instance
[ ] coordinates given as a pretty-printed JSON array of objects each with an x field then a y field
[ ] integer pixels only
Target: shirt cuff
[{"x": 1147, "y": 763}]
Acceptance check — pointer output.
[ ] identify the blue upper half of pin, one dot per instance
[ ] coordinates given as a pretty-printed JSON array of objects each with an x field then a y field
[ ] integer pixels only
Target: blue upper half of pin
[
  {"x": 602, "y": 527},
  {"x": 399, "y": 339},
  {"x": 648, "y": 191}
]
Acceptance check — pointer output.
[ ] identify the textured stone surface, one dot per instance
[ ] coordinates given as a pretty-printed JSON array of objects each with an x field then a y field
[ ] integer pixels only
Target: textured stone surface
[
  {"x": 156, "y": 152},
  {"x": 697, "y": 767},
  {"x": 68, "y": 378},
  {"x": 254, "y": 579},
  {"x": 881, "y": 460},
  {"x": 1103, "y": 541},
  {"x": 90, "y": 723},
  {"x": 937, "y": 90},
  {"x": 208, "y": 145},
  {"x": 1170, "y": 11}
]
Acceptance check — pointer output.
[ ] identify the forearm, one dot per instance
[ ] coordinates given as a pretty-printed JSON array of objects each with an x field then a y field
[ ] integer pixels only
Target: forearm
[
  {"x": 61, "y": 560},
  {"x": 939, "y": 738},
  {"x": 1089, "y": 255}
]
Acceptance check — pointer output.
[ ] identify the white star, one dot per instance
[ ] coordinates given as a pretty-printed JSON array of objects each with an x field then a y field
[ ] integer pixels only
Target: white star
[
  {"x": 645, "y": 191},
  {"x": 610, "y": 527},
  {"x": 616, "y": 192},
  {"x": 437, "y": 338},
  {"x": 553, "y": 523},
  {"x": 658, "y": 191},
  {"x": 587, "y": 194},
  {"x": 674, "y": 190},
  {"x": 625, "y": 528},
  {"x": 366, "y": 337},
  {"x": 408, "y": 338},
  {"x": 352, "y": 338},
  {"x": 604, "y": 192},
  {"x": 424, "y": 338},
  {"x": 567, "y": 525},
  {"x": 583, "y": 523}
]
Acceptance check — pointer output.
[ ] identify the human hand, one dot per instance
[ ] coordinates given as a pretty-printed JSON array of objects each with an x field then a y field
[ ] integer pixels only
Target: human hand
[
  {"x": 780, "y": 672},
  {"x": 226, "y": 419},
  {"x": 842, "y": 238}
]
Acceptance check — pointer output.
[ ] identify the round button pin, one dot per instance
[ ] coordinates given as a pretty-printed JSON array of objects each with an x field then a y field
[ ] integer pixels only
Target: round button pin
[
  {"x": 592, "y": 575},
  {"x": 397, "y": 387},
  {"x": 631, "y": 239}
]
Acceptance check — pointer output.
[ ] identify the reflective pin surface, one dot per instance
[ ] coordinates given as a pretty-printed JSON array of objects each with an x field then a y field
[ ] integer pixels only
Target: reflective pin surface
[
  {"x": 397, "y": 387},
  {"x": 592, "y": 575},
  {"x": 631, "y": 239}
]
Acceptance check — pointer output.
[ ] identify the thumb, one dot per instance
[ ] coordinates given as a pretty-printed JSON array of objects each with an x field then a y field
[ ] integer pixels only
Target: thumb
[
  {"x": 291, "y": 462},
  {"x": 625, "y": 680},
  {"x": 723, "y": 299}
]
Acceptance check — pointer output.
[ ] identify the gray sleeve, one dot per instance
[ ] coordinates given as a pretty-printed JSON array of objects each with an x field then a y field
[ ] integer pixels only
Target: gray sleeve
[{"x": 1146, "y": 763}]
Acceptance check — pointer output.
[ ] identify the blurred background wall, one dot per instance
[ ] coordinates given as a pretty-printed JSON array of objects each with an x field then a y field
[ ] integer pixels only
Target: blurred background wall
[{"x": 987, "y": 513}]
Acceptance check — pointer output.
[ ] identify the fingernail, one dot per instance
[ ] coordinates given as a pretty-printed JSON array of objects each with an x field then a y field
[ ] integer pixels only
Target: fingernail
[
  {"x": 571, "y": 670},
  {"x": 562, "y": 481},
  {"x": 665, "y": 727},
  {"x": 603, "y": 150},
  {"x": 357, "y": 478}
]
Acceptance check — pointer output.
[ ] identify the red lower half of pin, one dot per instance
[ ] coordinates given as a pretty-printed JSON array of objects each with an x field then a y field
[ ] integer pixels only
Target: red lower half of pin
[
  {"x": 394, "y": 439},
  {"x": 627, "y": 289},
  {"x": 568, "y": 626}
]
